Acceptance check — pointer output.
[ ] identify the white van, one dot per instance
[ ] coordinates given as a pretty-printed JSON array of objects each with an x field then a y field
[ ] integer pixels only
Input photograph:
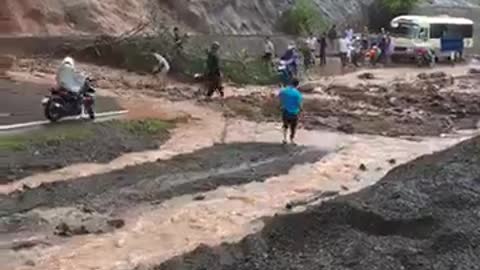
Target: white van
[{"x": 410, "y": 32}]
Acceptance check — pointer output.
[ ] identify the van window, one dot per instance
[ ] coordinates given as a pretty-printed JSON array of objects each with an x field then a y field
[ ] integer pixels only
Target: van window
[
  {"x": 451, "y": 31},
  {"x": 423, "y": 34}
]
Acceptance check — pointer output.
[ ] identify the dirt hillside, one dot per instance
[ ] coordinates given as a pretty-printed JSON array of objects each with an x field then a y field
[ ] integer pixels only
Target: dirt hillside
[{"x": 111, "y": 16}]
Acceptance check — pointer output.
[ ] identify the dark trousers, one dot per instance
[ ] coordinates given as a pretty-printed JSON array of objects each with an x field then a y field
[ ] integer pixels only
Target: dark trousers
[
  {"x": 323, "y": 57},
  {"x": 290, "y": 121},
  {"x": 214, "y": 84}
]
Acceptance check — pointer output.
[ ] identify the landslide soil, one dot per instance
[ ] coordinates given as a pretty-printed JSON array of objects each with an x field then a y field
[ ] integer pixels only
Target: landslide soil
[
  {"x": 427, "y": 106},
  {"x": 57, "y": 146},
  {"x": 112, "y": 194},
  {"x": 422, "y": 215}
]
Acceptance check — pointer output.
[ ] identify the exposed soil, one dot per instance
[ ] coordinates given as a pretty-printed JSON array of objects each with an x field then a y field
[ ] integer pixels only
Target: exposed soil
[
  {"x": 62, "y": 144},
  {"x": 423, "y": 107},
  {"x": 422, "y": 215},
  {"x": 112, "y": 194}
]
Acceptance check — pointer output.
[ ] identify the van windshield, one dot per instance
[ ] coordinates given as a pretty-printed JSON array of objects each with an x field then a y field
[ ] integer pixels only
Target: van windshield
[{"x": 406, "y": 30}]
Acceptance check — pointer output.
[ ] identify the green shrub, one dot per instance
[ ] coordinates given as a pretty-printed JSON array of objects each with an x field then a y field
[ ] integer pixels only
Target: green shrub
[
  {"x": 399, "y": 6},
  {"x": 303, "y": 18}
]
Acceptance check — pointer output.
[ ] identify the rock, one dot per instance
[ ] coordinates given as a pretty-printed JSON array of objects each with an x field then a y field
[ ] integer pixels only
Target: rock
[
  {"x": 200, "y": 197},
  {"x": 423, "y": 76},
  {"x": 366, "y": 76},
  {"x": 116, "y": 223},
  {"x": 392, "y": 161},
  {"x": 30, "y": 262},
  {"x": 437, "y": 75},
  {"x": 346, "y": 128},
  {"x": 362, "y": 167},
  {"x": 308, "y": 87}
]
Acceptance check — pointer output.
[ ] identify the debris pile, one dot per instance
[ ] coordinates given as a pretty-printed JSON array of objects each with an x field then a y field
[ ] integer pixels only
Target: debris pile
[
  {"x": 424, "y": 107},
  {"x": 422, "y": 215}
]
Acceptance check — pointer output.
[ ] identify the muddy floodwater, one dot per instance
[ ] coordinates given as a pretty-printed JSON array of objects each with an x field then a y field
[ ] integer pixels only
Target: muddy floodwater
[{"x": 222, "y": 192}]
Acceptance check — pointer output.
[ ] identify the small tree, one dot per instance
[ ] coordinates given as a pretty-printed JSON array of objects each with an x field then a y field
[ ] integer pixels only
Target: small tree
[{"x": 304, "y": 17}]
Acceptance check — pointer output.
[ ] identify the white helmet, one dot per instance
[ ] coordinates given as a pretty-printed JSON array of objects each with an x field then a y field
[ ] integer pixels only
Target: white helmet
[{"x": 68, "y": 61}]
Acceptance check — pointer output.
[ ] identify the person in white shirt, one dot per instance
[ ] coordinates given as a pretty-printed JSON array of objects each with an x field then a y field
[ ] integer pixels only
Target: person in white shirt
[
  {"x": 344, "y": 46},
  {"x": 312, "y": 43},
  {"x": 269, "y": 50},
  {"x": 69, "y": 79},
  {"x": 162, "y": 66},
  {"x": 349, "y": 33}
]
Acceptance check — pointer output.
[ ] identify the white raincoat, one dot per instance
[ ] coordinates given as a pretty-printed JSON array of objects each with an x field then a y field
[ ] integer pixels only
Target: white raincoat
[
  {"x": 162, "y": 65},
  {"x": 68, "y": 78}
]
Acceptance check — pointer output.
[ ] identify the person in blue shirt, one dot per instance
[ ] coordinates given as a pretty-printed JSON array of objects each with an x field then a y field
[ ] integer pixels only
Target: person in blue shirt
[{"x": 291, "y": 104}]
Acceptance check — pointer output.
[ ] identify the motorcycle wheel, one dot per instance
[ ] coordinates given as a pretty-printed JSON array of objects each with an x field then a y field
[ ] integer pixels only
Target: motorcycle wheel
[{"x": 52, "y": 113}]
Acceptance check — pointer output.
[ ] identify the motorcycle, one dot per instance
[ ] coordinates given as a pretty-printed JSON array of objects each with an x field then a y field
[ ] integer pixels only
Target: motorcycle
[
  {"x": 423, "y": 57},
  {"x": 63, "y": 103}
]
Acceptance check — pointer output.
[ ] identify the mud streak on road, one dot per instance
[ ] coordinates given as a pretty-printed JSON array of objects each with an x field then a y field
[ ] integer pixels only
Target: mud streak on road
[{"x": 115, "y": 192}]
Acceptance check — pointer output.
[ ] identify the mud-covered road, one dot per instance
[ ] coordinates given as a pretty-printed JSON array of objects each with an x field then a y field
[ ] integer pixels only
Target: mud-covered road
[{"x": 422, "y": 215}]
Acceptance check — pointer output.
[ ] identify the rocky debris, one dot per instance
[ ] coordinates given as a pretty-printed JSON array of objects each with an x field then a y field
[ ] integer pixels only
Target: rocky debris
[
  {"x": 362, "y": 167},
  {"x": 420, "y": 215},
  {"x": 318, "y": 196},
  {"x": 93, "y": 223},
  {"x": 309, "y": 87},
  {"x": 199, "y": 197},
  {"x": 423, "y": 107},
  {"x": 346, "y": 128},
  {"x": 6, "y": 63},
  {"x": 366, "y": 76},
  {"x": 28, "y": 244}
]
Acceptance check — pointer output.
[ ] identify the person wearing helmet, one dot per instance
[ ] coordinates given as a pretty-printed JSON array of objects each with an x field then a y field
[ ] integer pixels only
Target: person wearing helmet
[
  {"x": 71, "y": 80},
  {"x": 213, "y": 74},
  {"x": 290, "y": 58}
]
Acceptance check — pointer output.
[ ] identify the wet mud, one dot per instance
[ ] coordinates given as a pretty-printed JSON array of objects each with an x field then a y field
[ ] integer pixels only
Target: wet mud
[
  {"x": 102, "y": 198},
  {"x": 424, "y": 107},
  {"x": 62, "y": 144},
  {"x": 421, "y": 215}
]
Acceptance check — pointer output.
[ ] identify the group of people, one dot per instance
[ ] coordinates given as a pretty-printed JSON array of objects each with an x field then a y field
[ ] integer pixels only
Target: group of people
[{"x": 373, "y": 48}]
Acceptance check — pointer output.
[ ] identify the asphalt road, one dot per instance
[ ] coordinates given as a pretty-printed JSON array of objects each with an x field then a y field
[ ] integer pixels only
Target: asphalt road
[{"x": 20, "y": 102}]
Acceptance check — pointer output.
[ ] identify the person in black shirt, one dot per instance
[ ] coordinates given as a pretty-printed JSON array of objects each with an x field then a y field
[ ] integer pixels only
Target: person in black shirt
[
  {"x": 332, "y": 37},
  {"x": 213, "y": 74},
  {"x": 323, "y": 49}
]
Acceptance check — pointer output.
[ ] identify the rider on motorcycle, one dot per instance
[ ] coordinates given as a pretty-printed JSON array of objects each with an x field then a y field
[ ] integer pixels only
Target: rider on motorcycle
[{"x": 71, "y": 80}]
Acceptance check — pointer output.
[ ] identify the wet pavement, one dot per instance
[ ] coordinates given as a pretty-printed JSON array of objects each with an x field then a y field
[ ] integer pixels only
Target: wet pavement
[{"x": 20, "y": 102}]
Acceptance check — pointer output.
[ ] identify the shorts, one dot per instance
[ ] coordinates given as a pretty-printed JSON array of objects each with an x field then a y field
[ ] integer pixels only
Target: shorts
[{"x": 289, "y": 120}]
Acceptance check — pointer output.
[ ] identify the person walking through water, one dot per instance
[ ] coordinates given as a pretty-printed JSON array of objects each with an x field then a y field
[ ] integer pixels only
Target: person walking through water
[
  {"x": 213, "y": 74},
  {"x": 291, "y": 105}
]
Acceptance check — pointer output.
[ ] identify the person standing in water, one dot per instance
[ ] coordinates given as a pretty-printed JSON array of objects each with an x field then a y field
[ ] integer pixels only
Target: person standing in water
[{"x": 291, "y": 105}]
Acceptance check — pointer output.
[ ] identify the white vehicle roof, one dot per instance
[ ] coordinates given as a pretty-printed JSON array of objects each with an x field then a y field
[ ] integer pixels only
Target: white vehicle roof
[{"x": 443, "y": 19}]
